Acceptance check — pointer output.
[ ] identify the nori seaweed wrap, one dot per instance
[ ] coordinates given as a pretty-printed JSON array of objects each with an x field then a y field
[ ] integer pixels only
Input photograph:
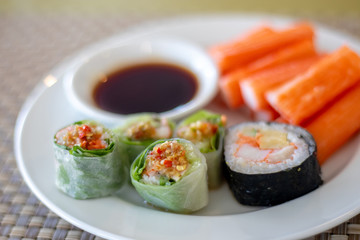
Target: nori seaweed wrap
[
  {"x": 140, "y": 130},
  {"x": 206, "y": 130},
  {"x": 171, "y": 174},
  {"x": 270, "y": 163},
  {"x": 88, "y": 161}
]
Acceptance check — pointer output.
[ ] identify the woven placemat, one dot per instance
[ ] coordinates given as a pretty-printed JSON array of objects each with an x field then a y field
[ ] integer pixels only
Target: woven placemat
[{"x": 30, "y": 46}]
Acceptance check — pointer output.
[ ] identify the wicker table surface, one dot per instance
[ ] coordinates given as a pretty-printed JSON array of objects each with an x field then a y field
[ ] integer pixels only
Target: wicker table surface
[{"x": 30, "y": 46}]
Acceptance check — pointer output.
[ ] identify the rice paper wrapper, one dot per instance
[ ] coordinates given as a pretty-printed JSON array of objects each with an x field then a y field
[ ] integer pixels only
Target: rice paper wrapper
[
  {"x": 84, "y": 174},
  {"x": 131, "y": 150},
  {"x": 214, "y": 161},
  {"x": 187, "y": 195},
  {"x": 215, "y": 156}
]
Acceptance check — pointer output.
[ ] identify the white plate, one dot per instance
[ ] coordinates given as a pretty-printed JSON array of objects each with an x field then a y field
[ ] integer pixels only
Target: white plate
[{"x": 125, "y": 215}]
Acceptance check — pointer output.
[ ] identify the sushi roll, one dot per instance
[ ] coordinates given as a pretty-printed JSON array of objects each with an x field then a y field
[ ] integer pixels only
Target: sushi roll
[
  {"x": 171, "y": 174},
  {"x": 270, "y": 163},
  {"x": 140, "y": 130},
  {"x": 206, "y": 130},
  {"x": 88, "y": 164}
]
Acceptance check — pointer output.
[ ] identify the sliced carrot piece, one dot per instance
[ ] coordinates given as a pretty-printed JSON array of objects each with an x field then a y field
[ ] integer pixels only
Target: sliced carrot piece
[
  {"x": 302, "y": 97},
  {"x": 336, "y": 123},
  {"x": 242, "y": 52},
  {"x": 229, "y": 83},
  {"x": 253, "y": 87}
]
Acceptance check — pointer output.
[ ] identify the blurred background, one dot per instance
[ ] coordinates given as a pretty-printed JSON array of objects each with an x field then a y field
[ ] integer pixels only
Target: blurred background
[
  {"x": 169, "y": 7},
  {"x": 35, "y": 35}
]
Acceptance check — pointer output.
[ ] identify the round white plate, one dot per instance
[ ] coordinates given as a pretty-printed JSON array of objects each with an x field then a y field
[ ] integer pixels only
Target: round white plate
[{"x": 125, "y": 215}]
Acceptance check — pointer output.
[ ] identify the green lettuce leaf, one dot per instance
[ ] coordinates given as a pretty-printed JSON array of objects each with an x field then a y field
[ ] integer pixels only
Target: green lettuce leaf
[
  {"x": 203, "y": 115},
  {"x": 80, "y": 152}
]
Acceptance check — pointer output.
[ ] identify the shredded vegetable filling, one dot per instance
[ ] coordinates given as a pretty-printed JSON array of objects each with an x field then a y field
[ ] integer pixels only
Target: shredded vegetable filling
[
  {"x": 199, "y": 132},
  {"x": 85, "y": 135},
  {"x": 145, "y": 130},
  {"x": 165, "y": 164}
]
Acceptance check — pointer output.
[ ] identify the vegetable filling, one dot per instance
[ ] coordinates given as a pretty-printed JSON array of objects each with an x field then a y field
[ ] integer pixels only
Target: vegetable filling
[
  {"x": 87, "y": 136},
  {"x": 165, "y": 164},
  {"x": 199, "y": 132},
  {"x": 150, "y": 129}
]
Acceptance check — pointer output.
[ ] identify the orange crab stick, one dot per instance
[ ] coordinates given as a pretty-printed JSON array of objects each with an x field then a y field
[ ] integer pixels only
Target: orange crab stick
[
  {"x": 230, "y": 90},
  {"x": 301, "y": 49},
  {"x": 238, "y": 53},
  {"x": 302, "y": 97},
  {"x": 229, "y": 83},
  {"x": 253, "y": 88},
  {"x": 336, "y": 123},
  {"x": 221, "y": 53},
  {"x": 267, "y": 115}
]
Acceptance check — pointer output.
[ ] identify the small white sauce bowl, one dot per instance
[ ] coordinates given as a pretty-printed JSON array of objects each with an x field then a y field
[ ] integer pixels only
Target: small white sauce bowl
[{"x": 81, "y": 81}]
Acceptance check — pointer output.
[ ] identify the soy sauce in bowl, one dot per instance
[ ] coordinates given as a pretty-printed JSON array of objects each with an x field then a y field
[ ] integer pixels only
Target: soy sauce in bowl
[
  {"x": 170, "y": 77},
  {"x": 148, "y": 87}
]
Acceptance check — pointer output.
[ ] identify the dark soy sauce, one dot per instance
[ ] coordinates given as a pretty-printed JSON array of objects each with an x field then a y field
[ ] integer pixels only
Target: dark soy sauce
[{"x": 153, "y": 87}]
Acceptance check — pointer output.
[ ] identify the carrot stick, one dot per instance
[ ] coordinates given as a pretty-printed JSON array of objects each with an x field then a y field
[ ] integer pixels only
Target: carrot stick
[
  {"x": 253, "y": 87},
  {"x": 306, "y": 94},
  {"x": 336, "y": 123},
  {"x": 239, "y": 53},
  {"x": 229, "y": 83}
]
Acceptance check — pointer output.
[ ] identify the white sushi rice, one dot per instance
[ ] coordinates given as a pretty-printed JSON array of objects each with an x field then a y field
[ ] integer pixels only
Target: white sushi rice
[{"x": 288, "y": 157}]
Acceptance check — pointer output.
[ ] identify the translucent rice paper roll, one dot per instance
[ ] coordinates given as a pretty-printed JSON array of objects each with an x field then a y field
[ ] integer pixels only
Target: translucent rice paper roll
[
  {"x": 211, "y": 146},
  {"x": 186, "y": 195},
  {"x": 84, "y": 174},
  {"x": 133, "y": 147}
]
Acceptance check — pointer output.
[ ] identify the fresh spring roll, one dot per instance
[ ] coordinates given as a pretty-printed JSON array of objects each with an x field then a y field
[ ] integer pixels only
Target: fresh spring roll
[
  {"x": 171, "y": 174},
  {"x": 88, "y": 164},
  {"x": 206, "y": 130},
  {"x": 140, "y": 130}
]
